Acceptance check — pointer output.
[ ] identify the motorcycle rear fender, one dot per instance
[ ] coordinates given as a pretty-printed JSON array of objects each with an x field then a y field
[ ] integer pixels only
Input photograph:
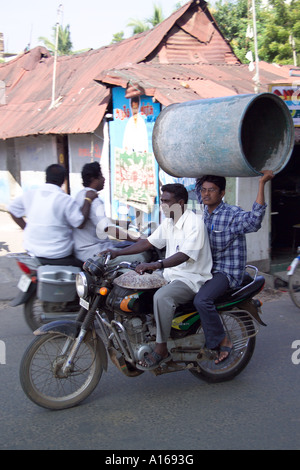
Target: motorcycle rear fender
[
  {"x": 23, "y": 297},
  {"x": 69, "y": 328}
]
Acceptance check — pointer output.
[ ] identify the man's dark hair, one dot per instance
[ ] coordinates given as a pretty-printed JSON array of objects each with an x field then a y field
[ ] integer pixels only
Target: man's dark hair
[
  {"x": 89, "y": 172},
  {"x": 56, "y": 174},
  {"x": 219, "y": 181},
  {"x": 178, "y": 190},
  {"x": 135, "y": 99}
]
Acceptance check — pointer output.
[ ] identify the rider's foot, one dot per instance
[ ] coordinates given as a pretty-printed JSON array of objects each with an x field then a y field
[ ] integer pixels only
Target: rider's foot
[
  {"x": 225, "y": 349},
  {"x": 153, "y": 359}
]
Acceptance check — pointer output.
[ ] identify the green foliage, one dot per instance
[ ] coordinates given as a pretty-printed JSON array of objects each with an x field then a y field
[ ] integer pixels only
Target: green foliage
[
  {"x": 140, "y": 26},
  {"x": 157, "y": 16},
  {"x": 64, "y": 43},
  {"x": 278, "y": 28},
  {"x": 117, "y": 37}
]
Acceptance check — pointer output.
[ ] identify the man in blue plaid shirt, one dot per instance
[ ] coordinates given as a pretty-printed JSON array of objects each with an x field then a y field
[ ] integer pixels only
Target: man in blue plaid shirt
[{"x": 226, "y": 226}]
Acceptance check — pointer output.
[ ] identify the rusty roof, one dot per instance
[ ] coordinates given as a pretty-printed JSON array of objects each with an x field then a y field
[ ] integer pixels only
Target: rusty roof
[
  {"x": 169, "y": 83},
  {"x": 183, "y": 58}
]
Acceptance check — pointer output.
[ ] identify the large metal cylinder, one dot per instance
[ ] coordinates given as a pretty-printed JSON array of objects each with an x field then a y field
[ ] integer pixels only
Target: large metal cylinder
[{"x": 232, "y": 136}]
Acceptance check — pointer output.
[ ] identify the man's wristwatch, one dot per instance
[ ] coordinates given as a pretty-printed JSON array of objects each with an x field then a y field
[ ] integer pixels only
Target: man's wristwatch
[{"x": 161, "y": 263}]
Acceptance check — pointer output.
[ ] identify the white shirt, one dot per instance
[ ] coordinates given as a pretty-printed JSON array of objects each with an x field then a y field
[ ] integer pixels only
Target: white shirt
[
  {"x": 92, "y": 238},
  {"x": 188, "y": 236},
  {"x": 135, "y": 135},
  {"x": 50, "y": 215}
]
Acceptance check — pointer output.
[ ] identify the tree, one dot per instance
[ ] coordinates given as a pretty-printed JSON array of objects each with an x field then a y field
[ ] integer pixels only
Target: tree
[
  {"x": 157, "y": 16},
  {"x": 140, "y": 26},
  {"x": 117, "y": 37},
  {"x": 64, "y": 46},
  {"x": 278, "y": 28},
  {"x": 233, "y": 19},
  {"x": 280, "y": 41}
]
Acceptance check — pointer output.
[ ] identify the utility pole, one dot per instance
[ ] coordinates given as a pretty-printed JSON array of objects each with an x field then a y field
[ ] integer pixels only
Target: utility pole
[
  {"x": 292, "y": 43},
  {"x": 59, "y": 11},
  {"x": 256, "y": 77}
]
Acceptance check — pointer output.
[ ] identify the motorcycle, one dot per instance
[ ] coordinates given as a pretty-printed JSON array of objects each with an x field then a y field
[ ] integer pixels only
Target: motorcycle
[
  {"x": 65, "y": 361},
  {"x": 47, "y": 292}
]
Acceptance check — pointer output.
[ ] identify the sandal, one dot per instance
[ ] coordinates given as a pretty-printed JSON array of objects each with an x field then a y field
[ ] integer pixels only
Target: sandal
[
  {"x": 152, "y": 360},
  {"x": 224, "y": 349}
]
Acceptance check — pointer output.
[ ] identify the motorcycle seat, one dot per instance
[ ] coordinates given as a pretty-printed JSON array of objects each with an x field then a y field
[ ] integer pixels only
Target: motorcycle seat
[
  {"x": 234, "y": 295},
  {"x": 247, "y": 289}
]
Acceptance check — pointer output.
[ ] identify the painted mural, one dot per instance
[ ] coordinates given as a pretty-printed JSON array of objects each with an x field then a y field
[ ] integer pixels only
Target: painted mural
[{"x": 134, "y": 170}]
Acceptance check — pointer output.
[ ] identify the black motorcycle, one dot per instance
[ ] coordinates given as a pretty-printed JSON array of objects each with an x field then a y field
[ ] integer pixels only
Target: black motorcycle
[{"x": 64, "y": 363}]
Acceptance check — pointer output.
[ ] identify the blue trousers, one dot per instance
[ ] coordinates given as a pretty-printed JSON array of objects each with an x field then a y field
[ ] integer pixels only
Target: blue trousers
[{"x": 204, "y": 303}]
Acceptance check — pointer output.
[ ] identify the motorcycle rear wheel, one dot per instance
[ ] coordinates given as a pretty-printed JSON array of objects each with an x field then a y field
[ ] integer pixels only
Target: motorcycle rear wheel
[
  {"x": 36, "y": 316},
  {"x": 33, "y": 312},
  {"x": 41, "y": 374},
  {"x": 239, "y": 332}
]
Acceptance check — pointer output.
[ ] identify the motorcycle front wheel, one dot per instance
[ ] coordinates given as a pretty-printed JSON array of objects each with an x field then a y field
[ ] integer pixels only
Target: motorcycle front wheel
[
  {"x": 241, "y": 330},
  {"x": 294, "y": 286},
  {"x": 43, "y": 379}
]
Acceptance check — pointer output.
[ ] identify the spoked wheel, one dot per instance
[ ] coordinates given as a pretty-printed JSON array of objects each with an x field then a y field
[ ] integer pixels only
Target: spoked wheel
[
  {"x": 240, "y": 329},
  {"x": 43, "y": 378},
  {"x": 294, "y": 286}
]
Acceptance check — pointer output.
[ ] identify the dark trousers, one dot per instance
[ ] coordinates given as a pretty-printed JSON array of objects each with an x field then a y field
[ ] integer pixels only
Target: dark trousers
[{"x": 204, "y": 303}]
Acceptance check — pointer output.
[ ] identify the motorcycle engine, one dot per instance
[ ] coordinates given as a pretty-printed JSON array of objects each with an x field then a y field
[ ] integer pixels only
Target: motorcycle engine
[{"x": 137, "y": 332}]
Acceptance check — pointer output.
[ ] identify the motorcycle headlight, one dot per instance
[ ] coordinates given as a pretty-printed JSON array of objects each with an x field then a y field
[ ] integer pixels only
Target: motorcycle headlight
[{"x": 82, "y": 286}]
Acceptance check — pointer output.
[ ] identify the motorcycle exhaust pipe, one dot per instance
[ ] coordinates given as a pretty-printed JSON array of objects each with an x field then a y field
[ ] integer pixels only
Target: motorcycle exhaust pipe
[{"x": 119, "y": 361}]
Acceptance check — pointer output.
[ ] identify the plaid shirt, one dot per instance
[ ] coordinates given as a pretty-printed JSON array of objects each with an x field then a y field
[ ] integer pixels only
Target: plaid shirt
[{"x": 227, "y": 226}]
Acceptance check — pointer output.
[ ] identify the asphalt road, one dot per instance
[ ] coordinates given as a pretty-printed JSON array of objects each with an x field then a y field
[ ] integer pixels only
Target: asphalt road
[{"x": 260, "y": 409}]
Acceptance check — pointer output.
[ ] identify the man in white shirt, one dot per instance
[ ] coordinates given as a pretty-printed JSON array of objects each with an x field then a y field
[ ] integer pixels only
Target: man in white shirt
[
  {"x": 94, "y": 237},
  {"x": 187, "y": 265},
  {"x": 135, "y": 135},
  {"x": 50, "y": 216}
]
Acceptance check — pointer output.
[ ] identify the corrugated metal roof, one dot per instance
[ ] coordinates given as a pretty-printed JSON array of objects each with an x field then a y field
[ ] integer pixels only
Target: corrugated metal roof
[
  {"x": 182, "y": 82},
  {"x": 81, "y": 101},
  {"x": 183, "y": 58}
]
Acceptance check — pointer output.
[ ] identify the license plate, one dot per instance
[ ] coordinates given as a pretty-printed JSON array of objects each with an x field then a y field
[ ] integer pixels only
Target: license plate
[
  {"x": 84, "y": 303},
  {"x": 24, "y": 283}
]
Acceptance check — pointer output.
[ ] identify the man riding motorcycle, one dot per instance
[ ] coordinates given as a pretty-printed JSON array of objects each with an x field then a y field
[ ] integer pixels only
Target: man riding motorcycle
[
  {"x": 50, "y": 216},
  {"x": 94, "y": 236},
  {"x": 226, "y": 226},
  {"x": 186, "y": 267}
]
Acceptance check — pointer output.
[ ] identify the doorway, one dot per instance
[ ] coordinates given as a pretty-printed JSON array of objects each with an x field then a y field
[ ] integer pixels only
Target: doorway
[
  {"x": 63, "y": 157},
  {"x": 285, "y": 210}
]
